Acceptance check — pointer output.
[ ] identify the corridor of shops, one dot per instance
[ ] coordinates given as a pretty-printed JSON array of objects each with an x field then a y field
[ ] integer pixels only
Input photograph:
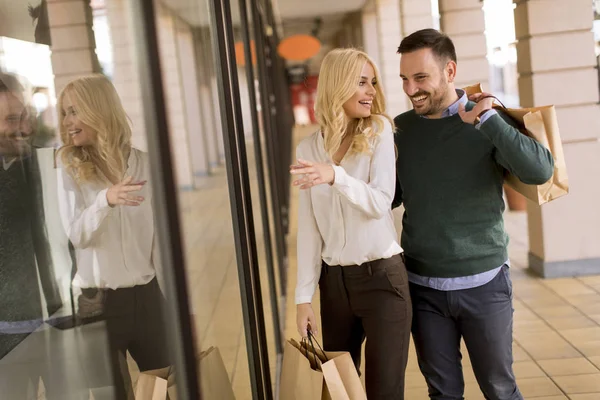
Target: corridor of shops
[{"x": 217, "y": 94}]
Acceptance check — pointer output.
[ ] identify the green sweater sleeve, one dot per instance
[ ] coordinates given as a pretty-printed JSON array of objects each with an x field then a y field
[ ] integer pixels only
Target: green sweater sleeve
[{"x": 521, "y": 155}]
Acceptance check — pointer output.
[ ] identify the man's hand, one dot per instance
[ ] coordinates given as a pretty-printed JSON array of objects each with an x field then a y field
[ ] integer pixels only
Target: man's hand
[
  {"x": 484, "y": 101},
  {"x": 314, "y": 174}
]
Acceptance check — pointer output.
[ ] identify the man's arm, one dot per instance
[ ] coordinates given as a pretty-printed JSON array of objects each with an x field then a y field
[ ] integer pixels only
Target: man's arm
[
  {"x": 521, "y": 155},
  {"x": 39, "y": 232},
  {"x": 397, "y": 202}
]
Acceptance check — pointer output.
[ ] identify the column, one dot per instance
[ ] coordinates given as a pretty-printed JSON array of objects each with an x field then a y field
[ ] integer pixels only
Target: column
[
  {"x": 73, "y": 43},
  {"x": 556, "y": 65},
  {"x": 210, "y": 107},
  {"x": 389, "y": 31},
  {"x": 174, "y": 98},
  {"x": 369, "y": 29},
  {"x": 125, "y": 71},
  {"x": 464, "y": 22},
  {"x": 419, "y": 14},
  {"x": 194, "y": 112}
]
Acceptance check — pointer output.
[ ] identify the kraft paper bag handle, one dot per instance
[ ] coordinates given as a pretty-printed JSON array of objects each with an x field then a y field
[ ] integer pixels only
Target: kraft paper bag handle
[
  {"x": 313, "y": 340},
  {"x": 311, "y": 354}
]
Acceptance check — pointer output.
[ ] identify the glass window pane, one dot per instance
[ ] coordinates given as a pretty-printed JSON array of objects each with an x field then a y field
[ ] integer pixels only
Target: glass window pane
[
  {"x": 82, "y": 293},
  {"x": 188, "y": 66},
  {"x": 261, "y": 207}
]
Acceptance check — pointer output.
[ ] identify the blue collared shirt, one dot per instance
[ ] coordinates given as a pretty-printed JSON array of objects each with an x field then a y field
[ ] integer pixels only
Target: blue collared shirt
[{"x": 462, "y": 282}]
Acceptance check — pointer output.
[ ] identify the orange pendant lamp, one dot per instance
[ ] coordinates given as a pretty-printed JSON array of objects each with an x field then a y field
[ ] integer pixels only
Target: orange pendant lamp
[{"x": 299, "y": 47}]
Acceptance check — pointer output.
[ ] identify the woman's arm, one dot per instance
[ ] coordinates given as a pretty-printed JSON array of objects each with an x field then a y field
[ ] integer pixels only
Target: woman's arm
[
  {"x": 81, "y": 223},
  {"x": 310, "y": 245},
  {"x": 375, "y": 197}
]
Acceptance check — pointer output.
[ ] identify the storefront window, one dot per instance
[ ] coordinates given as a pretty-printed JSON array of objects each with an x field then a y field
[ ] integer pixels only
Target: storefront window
[{"x": 141, "y": 210}]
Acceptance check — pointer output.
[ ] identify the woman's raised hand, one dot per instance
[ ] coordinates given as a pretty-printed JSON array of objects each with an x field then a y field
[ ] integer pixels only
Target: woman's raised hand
[
  {"x": 121, "y": 193},
  {"x": 314, "y": 174}
]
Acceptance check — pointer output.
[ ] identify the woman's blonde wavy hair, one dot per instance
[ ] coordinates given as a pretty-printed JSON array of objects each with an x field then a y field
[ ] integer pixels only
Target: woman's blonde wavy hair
[
  {"x": 338, "y": 81},
  {"x": 98, "y": 106}
]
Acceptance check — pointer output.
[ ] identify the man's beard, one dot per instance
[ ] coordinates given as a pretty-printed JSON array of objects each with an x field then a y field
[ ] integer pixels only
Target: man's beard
[
  {"x": 436, "y": 100},
  {"x": 15, "y": 144}
]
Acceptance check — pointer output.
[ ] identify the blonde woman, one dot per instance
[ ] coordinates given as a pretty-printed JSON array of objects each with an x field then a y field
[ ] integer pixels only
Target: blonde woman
[
  {"x": 347, "y": 243},
  {"x": 105, "y": 205}
]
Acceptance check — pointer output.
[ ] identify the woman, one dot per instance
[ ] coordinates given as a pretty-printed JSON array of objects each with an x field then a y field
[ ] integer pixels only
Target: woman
[
  {"x": 105, "y": 205},
  {"x": 347, "y": 242}
]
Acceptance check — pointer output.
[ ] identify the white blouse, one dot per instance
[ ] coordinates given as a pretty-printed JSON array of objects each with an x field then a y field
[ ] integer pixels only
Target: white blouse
[
  {"x": 114, "y": 246},
  {"x": 351, "y": 221}
]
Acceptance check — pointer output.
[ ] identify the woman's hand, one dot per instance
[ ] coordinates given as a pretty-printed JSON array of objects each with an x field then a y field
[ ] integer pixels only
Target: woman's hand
[
  {"x": 314, "y": 174},
  {"x": 119, "y": 194},
  {"x": 305, "y": 318}
]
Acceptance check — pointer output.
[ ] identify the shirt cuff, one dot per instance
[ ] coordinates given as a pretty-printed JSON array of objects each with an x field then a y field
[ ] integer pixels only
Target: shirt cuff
[
  {"x": 485, "y": 116},
  {"x": 340, "y": 178},
  {"x": 102, "y": 201},
  {"x": 303, "y": 300}
]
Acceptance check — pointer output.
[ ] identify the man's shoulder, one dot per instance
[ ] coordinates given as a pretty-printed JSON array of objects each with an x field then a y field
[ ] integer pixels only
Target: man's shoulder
[{"x": 402, "y": 121}]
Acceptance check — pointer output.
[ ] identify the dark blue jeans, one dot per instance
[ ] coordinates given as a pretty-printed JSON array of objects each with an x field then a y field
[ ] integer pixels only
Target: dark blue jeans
[{"x": 483, "y": 317}]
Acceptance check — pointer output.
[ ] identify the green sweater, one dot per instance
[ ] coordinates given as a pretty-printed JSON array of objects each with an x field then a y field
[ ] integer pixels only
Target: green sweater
[{"x": 449, "y": 178}]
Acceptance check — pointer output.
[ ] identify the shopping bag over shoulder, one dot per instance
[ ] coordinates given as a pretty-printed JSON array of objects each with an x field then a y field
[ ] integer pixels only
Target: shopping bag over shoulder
[{"x": 541, "y": 124}]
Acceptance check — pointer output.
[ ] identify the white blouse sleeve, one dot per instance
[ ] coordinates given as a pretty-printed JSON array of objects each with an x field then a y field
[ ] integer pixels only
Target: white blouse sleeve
[
  {"x": 80, "y": 222},
  {"x": 309, "y": 249},
  {"x": 375, "y": 197}
]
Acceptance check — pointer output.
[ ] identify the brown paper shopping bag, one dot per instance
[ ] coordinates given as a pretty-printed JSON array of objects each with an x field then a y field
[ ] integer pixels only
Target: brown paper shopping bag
[
  {"x": 214, "y": 379},
  {"x": 150, "y": 387},
  {"x": 341, "y": 378},
  {"x": 541, "y": 124},
  {"x": 298, "y": 380},
  {"x": 311, "y": 373},
  {"x": 159, "y": 375}
]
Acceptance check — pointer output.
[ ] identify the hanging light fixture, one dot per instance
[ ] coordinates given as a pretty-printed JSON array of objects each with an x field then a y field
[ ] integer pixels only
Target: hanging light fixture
[{"x": 299, "y": 47}]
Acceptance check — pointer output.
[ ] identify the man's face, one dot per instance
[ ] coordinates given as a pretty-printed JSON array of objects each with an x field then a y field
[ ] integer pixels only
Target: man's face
[
  {"x": 15, "y": 126},
  {"x": 426, "y": 81}
]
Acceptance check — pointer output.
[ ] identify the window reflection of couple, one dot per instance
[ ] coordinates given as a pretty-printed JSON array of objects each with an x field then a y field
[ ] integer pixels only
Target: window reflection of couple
[{"x": 106, "y": 207}]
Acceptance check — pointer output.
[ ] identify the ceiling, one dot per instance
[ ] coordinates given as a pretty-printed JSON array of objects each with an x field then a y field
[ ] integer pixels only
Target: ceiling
[
  {"x": 196, "y": 12},
  {"x": 291, "y": 9}
]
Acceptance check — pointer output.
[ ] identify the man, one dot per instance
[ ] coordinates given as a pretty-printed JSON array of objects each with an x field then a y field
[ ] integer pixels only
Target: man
[
  {"x": 452, "y": 158},
  {"x": 24, "y": 247}
]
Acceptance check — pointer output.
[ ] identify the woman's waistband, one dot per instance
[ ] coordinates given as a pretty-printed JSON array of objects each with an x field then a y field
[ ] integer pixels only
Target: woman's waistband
[{"x": 370, "y": 266}]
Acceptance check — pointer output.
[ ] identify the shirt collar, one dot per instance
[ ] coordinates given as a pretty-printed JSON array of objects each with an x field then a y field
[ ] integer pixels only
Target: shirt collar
[
  {"x": 8, "y": 162},
  {"x": 453, "y": 109}
]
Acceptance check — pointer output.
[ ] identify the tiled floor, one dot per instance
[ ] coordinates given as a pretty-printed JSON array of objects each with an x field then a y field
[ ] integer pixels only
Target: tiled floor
[{"x": 556, "y": 332}]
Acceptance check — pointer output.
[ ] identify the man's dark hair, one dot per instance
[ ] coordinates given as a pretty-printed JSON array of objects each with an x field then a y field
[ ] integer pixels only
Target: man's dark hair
[{"x": 440, "y": 44}]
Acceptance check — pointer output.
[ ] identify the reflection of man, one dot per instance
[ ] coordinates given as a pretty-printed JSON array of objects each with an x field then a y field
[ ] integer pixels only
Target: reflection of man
[{"x": 23, "y": 239}]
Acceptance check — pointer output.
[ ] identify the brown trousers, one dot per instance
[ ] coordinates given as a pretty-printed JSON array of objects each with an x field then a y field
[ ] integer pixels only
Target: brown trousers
[{"x": 369, "y": 301}]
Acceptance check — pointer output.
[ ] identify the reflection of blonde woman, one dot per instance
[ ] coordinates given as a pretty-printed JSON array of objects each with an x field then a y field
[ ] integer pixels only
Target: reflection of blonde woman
[
  {"x": 107, "y": 213},
  {"x": 347, "y": 242}
]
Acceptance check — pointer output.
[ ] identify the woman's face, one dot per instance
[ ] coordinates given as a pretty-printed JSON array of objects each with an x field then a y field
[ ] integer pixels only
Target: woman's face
[
  {"x": 80, "y": 133},
  {"x": 359, "y": 105}
]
